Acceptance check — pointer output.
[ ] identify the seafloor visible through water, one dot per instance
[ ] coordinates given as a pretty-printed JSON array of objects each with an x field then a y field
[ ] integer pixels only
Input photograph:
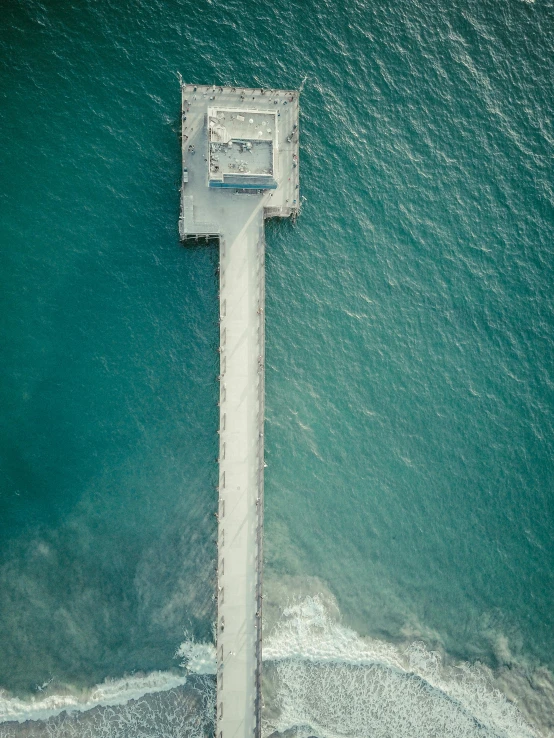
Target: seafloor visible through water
[{"x": 410, "y": 370}]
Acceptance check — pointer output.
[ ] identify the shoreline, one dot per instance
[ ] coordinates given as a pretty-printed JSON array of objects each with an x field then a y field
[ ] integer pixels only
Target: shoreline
[{"x": 307, "y": 636}]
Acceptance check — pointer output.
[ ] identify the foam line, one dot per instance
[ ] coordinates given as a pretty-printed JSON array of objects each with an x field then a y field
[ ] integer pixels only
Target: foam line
[
  {"x": 110, "y": 693},
  {"x": 331, "y": 682}
]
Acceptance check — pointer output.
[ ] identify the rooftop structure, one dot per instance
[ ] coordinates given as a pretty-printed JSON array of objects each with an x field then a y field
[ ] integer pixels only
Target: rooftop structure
[
  {"x": 241, "y": 148},
  {"x": 240, "y": 166}
]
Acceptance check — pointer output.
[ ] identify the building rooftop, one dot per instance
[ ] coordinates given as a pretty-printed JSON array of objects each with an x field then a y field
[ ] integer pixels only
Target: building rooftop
[{"x": 242, "y": 147}]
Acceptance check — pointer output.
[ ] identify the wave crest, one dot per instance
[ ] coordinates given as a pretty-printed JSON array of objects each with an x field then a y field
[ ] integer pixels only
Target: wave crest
[
  {"x": 330, "y": 682},
  {"x": 183, "y": 711},
  {"x": 110, "y": 693}
]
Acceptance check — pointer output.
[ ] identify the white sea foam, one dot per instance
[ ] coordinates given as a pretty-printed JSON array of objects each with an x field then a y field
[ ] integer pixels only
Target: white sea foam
[
  {"x": 184, "y": 711},
  {"x": 197, "y": 658},
  {"x": 322, "y": 679},
  {"x": 112, "y": 692},
  {"x": 330, "y": 682}
]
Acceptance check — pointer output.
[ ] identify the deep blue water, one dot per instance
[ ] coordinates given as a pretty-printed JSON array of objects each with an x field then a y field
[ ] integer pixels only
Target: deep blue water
[{"x": 410, "y": 324}]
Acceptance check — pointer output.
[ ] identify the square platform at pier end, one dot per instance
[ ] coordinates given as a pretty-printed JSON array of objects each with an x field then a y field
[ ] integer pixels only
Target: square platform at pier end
[{"x": 236, "y": 142}]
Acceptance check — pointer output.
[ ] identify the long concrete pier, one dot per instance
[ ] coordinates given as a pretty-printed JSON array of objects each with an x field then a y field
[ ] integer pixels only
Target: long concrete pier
[{"x": 240, "y": 166}]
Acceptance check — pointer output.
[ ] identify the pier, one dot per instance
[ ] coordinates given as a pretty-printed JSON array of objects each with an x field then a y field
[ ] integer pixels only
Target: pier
[{"x": 239, "y": 167}]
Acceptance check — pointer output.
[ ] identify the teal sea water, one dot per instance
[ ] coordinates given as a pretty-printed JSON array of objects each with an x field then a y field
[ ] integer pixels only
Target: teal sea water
[{"x": 410, "y": 388}]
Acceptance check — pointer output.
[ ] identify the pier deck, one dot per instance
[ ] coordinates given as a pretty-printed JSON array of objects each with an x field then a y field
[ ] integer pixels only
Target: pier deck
[{"x": 235, "y": 215}]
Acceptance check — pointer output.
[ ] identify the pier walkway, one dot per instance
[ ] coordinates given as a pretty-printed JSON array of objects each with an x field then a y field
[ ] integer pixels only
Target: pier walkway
[{"x": 240, "y": 165}]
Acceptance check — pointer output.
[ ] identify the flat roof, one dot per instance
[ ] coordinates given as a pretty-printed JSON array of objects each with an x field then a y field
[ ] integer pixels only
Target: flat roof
[
  {"x": 245, "y": 124},
  {"x": 241, "y": 143},
  {"x": 237, "y": 157}
]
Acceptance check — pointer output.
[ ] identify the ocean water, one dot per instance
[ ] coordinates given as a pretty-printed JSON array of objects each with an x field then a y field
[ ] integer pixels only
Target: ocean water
[{"x": 410, "y": 392}]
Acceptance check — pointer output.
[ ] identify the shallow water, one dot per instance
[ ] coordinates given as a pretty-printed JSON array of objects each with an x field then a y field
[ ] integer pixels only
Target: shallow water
[{"x": 410, "y": 395}]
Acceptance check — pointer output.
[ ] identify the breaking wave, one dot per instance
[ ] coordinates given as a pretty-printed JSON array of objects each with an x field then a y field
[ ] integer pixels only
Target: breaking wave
[
  {"x": 320, "y": 679},
  {"x": 180, "y": 712},
  {"x": 196, "y": 659},
  {"x": 327, "y": 681},
  {"x": 110, "y": 693}
]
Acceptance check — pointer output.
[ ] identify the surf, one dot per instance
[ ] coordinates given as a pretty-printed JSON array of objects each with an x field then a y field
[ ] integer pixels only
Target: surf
[
  {"x": 197, "y": 659},
  {"x": 110, "y": 693},
  {"x": 330, "y": 682}
]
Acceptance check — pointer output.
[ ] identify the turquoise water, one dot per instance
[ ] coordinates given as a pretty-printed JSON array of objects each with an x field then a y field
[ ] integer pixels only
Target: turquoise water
[{"x": 410, "y": 395}]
